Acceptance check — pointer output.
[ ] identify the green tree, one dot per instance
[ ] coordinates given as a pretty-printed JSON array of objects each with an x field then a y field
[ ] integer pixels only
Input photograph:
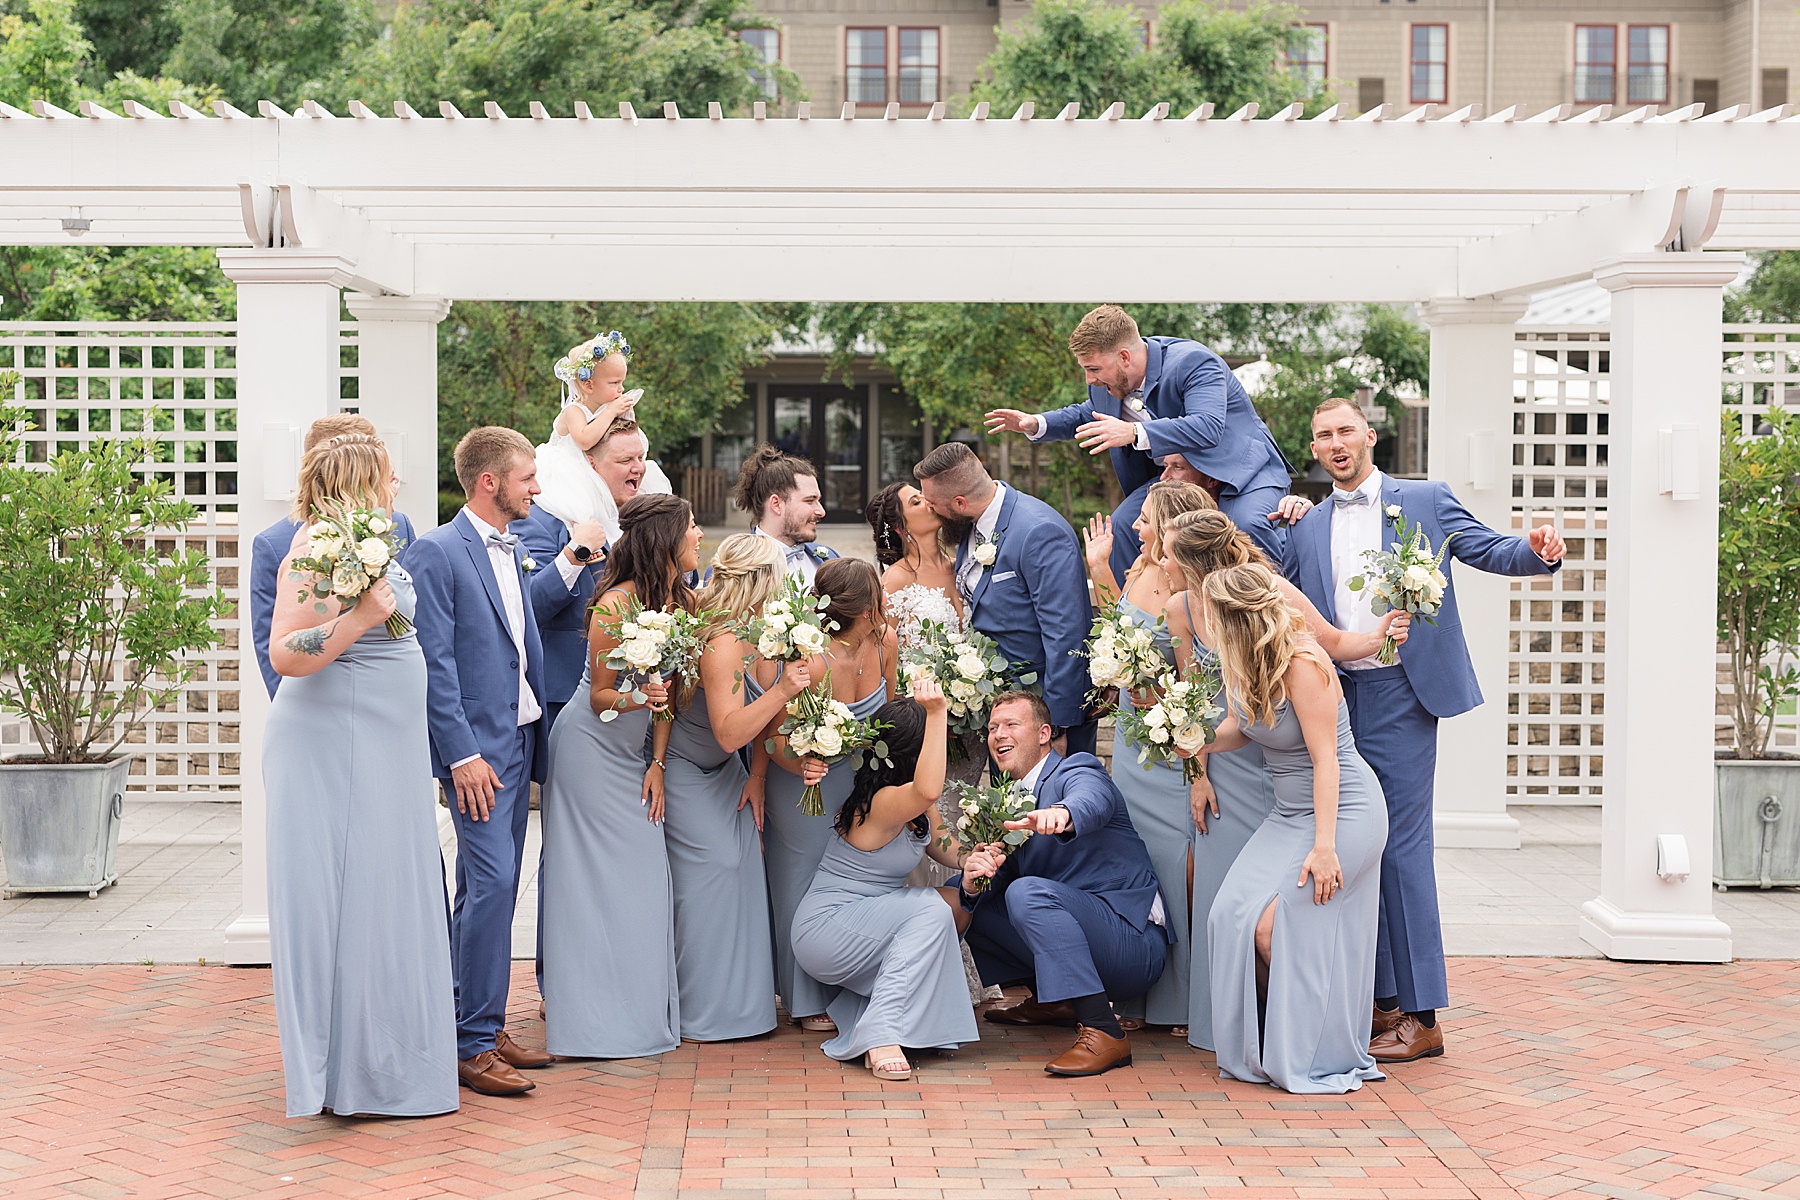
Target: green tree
[
  {"x": 128, "y": 35},
  {"x": 42, "y": 55},
  {"x": 1771, "y": 294},
  {"x": 281, "y": 50}
]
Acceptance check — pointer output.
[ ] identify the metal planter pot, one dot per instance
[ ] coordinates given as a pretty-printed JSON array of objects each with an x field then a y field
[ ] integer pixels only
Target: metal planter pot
[
  {"x": 59, "y": 825},
  {"x": 1756, "y": 822}
]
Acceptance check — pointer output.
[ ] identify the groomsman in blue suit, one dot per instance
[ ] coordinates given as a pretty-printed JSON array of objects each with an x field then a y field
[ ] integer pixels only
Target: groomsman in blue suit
[
  {"x": 1394, "y": 710},
  {"x": 270, "y": 547},
  {"x": 1151, "y": 398},
  {"x": 484, "y": 699},
  {"x": 1021, "y": 577},
  {"x": 781, "y": 493},
  {"x": 1075, "y": 911}
]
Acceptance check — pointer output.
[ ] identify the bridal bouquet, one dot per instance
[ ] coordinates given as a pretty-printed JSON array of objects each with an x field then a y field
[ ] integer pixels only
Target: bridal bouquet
[
  {"x": 970, "y": 669},
  {"x": 1406, "y": 576},
  {"x": 792, "y": 624},
  {"x": 1122, "y": 652},
  {"x": 1177, "y": 725},
  {"x": 818, "y": 726},
  {"x": 348, "y": 552},
  {"x": 652, "y": 644},
  {"x": 984, "y": 812}
]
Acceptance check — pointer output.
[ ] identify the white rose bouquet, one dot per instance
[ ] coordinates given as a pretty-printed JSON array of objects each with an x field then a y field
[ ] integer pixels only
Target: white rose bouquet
[
  {"x": 982, "y": 814},
  {"x": 791, "y": 626},
  {"x": 1178, "y": 725},
  {"x": 1406, "y": 576},
  {"x": 1122, "y": 652},
  {"x": 968, "y": 667},
  {"x": 817, "y": 726},
  {"x": 347, "y": 553},
  {"x": 652, "y": 644}
]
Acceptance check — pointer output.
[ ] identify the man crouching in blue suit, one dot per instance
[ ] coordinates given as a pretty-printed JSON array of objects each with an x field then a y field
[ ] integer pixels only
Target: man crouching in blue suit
[{"x": 1075, "y": 911}]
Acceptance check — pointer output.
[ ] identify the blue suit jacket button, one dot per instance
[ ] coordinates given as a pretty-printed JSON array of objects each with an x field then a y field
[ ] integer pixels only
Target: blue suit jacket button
[
  {"x": 515, "y": 706},
  {"x": 514, "y": 664}
]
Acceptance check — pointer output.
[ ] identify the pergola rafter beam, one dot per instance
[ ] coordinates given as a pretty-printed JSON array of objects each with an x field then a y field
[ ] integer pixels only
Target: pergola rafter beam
[{"x": 1570, "y": 247}]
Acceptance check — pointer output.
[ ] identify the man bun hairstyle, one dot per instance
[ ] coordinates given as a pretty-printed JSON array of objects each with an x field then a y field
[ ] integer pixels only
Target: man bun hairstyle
[
  {"x": 1105, "y": 328},
  {"x": 769, "y": 471},
  {"x": 488, "y": 450}
]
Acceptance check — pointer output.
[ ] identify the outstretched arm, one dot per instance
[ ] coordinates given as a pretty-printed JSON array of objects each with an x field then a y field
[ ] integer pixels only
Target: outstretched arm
[{"x": 1538, "y": 553}]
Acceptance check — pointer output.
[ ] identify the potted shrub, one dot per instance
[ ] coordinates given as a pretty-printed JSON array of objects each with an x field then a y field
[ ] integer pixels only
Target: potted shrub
[
  {"x": 97, "y": 618},
  {"x": 1757, "y": 798}
]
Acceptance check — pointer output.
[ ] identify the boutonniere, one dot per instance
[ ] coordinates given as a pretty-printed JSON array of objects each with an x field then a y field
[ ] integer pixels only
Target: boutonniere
[
  {"x": 819, "y": 552},
  {"x": 1393, "y": 512},
  {"x": 986, "y": 551},
  {"x": 1135, "y": 403},
  {"x": 528, "y": 564}
]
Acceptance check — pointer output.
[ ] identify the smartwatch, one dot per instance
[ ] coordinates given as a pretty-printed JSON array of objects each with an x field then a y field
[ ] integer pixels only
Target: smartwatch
[{"x": 582, "y": 553}]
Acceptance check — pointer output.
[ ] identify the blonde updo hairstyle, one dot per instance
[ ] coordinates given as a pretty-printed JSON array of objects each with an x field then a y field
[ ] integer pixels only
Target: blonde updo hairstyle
[
  {"x": 1207, "y": 541},
  {"x": 747, "y": 570},
  {"x": 1256, "y": 633},
  {"x": 348, "y": 471},
  {"x": 1165, "y": 501}
]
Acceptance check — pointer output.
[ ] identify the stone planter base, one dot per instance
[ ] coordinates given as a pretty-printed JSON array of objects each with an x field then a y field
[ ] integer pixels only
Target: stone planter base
[
  {"x": 59, "y": 825},
  {"x": 1756, "y": 822}
]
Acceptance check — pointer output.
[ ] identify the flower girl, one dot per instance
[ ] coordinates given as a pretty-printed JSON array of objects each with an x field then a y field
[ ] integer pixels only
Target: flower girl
[{"x": 594, "y": 396}]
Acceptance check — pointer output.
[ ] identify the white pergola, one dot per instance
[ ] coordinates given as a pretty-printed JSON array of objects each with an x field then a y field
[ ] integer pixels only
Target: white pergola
[{"x": 1462, "y": 214}]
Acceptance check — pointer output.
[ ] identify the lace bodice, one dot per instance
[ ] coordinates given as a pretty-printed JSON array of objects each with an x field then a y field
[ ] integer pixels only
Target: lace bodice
[{"x": 915, "y": 603}]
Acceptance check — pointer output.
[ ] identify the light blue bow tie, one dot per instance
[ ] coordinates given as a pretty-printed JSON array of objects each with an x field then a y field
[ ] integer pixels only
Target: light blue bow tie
[
  {"x": 1345, "y": 499},
  {"x": 506, "y": 541}
]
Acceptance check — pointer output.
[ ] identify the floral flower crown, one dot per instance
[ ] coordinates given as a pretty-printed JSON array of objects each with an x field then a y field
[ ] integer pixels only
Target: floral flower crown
[{"x": 581, "y": 366}]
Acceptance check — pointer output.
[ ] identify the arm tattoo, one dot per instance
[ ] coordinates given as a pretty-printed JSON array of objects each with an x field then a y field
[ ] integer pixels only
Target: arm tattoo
[{"x": 311, "y": 641}]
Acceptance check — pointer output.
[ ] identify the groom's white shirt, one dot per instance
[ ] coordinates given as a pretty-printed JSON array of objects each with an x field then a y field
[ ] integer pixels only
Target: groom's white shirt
[{"x": 984, "y": 525}]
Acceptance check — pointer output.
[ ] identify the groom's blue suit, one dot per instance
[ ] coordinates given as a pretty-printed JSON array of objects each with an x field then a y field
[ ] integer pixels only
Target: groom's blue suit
[
  {"x": 1072, "y": 911},
  {"x": 1195, "y": 407},
  {"x": 1033, "y": 601},
  {"x": 1394, "y": 713},
  {"x": 472, "y": 688}
]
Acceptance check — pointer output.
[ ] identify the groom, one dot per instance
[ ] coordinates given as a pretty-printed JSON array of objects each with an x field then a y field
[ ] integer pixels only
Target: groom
[
  {"x": 484, "y": 675},
  {"x": 1021, "y": 578},
  {"x": 1394, "y": 710},
  {"x": 1076, "y": 910}
]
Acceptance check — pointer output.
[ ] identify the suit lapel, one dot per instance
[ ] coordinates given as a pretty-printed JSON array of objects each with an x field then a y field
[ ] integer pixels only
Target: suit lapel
[
  {"x": 1153, "y": 364},
  {"x": 987, "y": 575},
  {"x": 1052, "y": 761},
  {"x": 1321, "y": 560},
  {"x": 1390, "y": 494},
  {"x": 484, "y": 567}
]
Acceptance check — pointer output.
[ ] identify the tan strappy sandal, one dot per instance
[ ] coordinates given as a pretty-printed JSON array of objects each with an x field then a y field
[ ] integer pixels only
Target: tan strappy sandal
[{"x": 888, "y": 1068}]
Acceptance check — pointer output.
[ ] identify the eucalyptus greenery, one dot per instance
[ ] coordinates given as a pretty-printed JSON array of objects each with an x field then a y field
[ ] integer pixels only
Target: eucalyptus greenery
[
  {"x": 100, "y": 612},
  {"x": 1759, "y": 575}
]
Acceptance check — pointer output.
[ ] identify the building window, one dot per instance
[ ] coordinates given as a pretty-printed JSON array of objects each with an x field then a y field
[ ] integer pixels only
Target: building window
[
  {"x": 1306, "y": 57},
  {"x": 865, "y": 66},
  {"x": 765, "y": 46},
  {"x": 919, "y": 66},
  {"x": 1596, "y": 63},
  {"x": 1774, "y": 87},
  {"x": 1430, "y": 64},
  {"x": 1371, "y": 93},
  {"x": 1647, "y": 67},
  {"x": 1706, "y": 94}
]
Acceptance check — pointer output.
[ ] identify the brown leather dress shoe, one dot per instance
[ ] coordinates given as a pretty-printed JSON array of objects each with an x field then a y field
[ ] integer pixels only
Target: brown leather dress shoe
[
  {"x": 1407, "y": 1040},
  {"x": 1092, "y": 1053},
  {"x": 1382, "y": 1021},
  {"x": 488, "y": 1074},
  {"x": 1030, "y": 1012},
  {"x": 517, "y": 1056}
]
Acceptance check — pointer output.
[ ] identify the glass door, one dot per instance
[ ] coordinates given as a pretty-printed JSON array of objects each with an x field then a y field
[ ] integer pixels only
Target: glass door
[{"x": 825, "y": 424}]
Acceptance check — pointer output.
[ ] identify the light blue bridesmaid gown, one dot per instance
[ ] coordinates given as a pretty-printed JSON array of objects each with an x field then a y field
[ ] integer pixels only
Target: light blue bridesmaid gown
[
  {"x": 723, "y": 959},
  {"x": 1246, "y": 795},
  {"x": 359, "y": 927},
  {"x": 1157, "y": 799},
  {"x": 891, "y": 950},
  {"x": 609, "y": 911},
  {"x": 793, "y": 844},
  {"x": 1314, "y": 1037}
]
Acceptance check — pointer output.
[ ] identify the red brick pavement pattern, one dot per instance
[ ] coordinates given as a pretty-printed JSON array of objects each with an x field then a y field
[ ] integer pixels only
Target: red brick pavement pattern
[{"x": 1577, "y": 1078}]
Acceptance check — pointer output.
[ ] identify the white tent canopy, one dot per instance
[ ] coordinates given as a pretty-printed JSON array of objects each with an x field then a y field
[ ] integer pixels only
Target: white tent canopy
[{"x": 1461, "y": 214}]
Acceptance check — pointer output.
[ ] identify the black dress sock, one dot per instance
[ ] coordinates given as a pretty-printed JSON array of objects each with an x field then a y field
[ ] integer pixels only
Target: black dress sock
[
  {"x": 1094, "y": 1012},
  {"x": 1387, "y": 1003},
  {"x": 1427, "y": 1017}
]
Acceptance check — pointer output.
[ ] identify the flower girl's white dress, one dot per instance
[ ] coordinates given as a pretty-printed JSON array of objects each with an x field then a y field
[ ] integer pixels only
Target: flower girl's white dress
[{"x": 572, "y": 492}]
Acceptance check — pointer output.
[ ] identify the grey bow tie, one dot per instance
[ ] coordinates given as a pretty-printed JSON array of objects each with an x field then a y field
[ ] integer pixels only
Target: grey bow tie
[
  {"x": 796, "y": 552},
  {"x": 1345, "y": 499},
  {"x": 506, "y": 541}
]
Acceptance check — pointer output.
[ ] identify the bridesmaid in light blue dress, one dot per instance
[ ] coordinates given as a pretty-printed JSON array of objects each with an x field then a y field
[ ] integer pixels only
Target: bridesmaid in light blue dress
[
  {"x": 1293, "y": 927},
  {"x": 1155, "y": 794},
  {"x": 609, "y": 923},
  {"x": 358, "y": 925},
  {"x": 1237, "y": 792},
  {"x": 891, "y": 950},
  {"x": 860, "y": 659}
]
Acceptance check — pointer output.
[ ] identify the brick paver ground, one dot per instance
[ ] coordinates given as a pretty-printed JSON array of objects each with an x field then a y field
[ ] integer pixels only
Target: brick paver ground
[{"x": 1565, "y": 1077}]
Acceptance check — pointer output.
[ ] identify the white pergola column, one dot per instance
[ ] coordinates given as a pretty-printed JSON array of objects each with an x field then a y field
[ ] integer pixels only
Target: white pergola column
[
  {"x": 1661, "y": 588},
  {"x": 1470, "y": 449},
  {"x": 287, "y": 357},
  {"x": 397, "y": 358}
]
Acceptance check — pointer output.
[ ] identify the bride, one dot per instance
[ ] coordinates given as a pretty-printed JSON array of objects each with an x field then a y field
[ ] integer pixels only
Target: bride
[{"x": 918, "y": 576}]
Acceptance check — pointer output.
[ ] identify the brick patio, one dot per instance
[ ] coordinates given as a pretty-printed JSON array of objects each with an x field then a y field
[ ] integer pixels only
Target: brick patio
[{"x": 1565, "y": 1077}]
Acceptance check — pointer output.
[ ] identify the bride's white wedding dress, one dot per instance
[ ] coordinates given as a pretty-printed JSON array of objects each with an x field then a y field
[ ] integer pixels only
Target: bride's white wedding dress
[{"x": 915, "y": 604}]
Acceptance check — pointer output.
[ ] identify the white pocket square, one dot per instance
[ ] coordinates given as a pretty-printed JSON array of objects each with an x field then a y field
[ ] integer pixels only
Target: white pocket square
[{"x": 1003, "y": 576}]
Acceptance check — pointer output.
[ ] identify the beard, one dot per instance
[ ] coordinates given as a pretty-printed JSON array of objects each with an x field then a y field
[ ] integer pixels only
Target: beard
[{"x": 955, "y": 529}]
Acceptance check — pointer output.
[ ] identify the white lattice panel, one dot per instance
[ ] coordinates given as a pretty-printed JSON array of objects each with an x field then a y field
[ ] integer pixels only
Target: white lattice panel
[{"x": 81, "y": 381}]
